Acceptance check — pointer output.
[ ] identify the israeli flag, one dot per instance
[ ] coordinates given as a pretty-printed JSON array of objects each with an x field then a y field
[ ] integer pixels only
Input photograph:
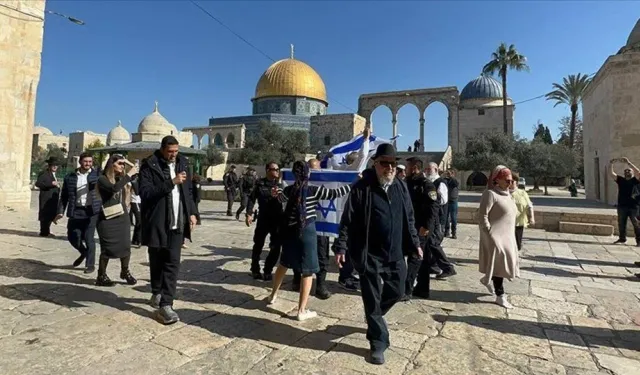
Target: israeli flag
[
  {"x": 329, "y": 212},
  {"x": 340, "y": 151}
]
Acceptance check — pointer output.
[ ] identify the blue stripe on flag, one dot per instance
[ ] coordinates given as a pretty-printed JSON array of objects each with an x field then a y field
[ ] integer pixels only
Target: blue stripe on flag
[
  {"x": 323, "y": 226},
  {"x": 351, "y": 146},
  {"x": 317, "y": 176}
]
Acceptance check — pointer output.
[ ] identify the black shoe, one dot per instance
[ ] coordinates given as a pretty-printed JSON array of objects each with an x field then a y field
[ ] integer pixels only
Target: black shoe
[
  {"x": 267, "y": 277},
  {"x": 620, "y": 241},
  {"x": 90, "y": 269},
  {"x": 453, "y": 236},
  {"x": 447, "y": 234},
  {"x": 104, "y": 280},
  {"x": 350, "y": 284},
  {"x": 256, "y": 275},
  {"x": 155, "y": 301},
  {"x": 229, "y": 213},
  {"x": 406, "y": 297},
  {"x": 79, "y": 261},
  {"x": 126, "y": 275},
  {"x": 422, "y": 294},
  {"x": 637, "y": 264},
  {"x": 376, "y": 357},
  {"x": 447, "y": 274},
  {"x": 135, "y": 244},
  {"x": 322, "y": 292},
  {"x": 637, "y": 275},
  {"x": 166, "y": 315}
]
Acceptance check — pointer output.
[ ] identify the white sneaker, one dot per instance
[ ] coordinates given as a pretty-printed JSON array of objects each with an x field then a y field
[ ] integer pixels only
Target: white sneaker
[
  {"x": 487, "y": 284},
  {"x": 502, "y": 301},
  {"x": 272, "y": 299},
  {"x": 308, "y": 314}
]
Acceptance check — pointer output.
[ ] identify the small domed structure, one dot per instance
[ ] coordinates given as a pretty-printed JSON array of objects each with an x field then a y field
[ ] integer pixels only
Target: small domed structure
[
  {"x": 41, "y": 130},
  {"x": 118, "y": 135},
  {"x": 634, "y": 37},
  {"x": 483, "y": 87},
  {"x": 155, "y": 123}
]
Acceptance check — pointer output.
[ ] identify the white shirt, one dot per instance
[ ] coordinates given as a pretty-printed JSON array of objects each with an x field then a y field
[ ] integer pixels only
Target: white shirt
[
  {"x": 83, "y": 198},
  {"x": 443, "y": 191},
  {"x": 175, "y": 196},
  {"x": 135, "y": 198}
]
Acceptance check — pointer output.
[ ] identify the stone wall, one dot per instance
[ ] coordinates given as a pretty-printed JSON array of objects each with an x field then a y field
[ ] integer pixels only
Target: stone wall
[
  {"x": 79, "y": 141},
  {"x": 476, "y": 118},
  {"x": 329, "y": 130},
  {"x": 20, "y": 57},
  {"x": 611, "y": 108},
  {"x": 44, "y": 140}
]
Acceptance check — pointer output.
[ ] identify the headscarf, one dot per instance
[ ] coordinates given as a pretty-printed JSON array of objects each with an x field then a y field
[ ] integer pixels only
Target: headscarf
[
  {"x": 298, "y": 194},
  {"x": 498, "y": 173}
]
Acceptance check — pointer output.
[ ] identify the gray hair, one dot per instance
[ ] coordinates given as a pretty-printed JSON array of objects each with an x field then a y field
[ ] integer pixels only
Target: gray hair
[{"x": 433, "y": 165}]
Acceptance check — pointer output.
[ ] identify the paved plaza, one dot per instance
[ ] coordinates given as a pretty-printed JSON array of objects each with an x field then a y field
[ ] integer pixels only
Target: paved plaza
[{"x": 577, "y": 313}]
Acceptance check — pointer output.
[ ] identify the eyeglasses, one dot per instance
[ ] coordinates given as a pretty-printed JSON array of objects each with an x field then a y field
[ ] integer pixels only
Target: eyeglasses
[
  {"x": 275, "y": 169},
  {"x": 509, "y": 181},
  {"x": 387, "y": 164}
]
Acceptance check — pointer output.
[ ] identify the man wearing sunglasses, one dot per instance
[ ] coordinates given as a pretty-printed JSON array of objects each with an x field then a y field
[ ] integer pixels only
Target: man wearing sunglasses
[
  {"x": 378, "y": 229},
  {"x": 269, "y": 216}
]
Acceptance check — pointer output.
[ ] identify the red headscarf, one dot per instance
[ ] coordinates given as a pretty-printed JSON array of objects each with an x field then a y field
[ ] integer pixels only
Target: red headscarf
[{"x": 500, "y": 172}]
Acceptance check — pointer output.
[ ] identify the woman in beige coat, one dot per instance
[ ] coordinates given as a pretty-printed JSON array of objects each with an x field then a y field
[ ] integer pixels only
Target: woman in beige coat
[{"x": 498, "y": 259}]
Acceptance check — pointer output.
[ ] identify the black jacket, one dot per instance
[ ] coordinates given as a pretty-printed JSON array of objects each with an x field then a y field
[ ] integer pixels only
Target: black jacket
[
  {"x": 269, "y": 206},
  {"x": 69, "y": 190},
  {"x": 49, "y": 196},
  {"x": 424, "y": 198},
  {"x": 247, "y": 183},
  {"x": 230, "y": 181},
  {"x": 355, "y": 221},
  {"x": 155, "y": 194}
]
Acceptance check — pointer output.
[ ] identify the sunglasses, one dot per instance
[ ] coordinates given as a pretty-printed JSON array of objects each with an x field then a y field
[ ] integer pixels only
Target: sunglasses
[
  {"x": 275, "y": 169},
  {"x": 387, "y": 164}
]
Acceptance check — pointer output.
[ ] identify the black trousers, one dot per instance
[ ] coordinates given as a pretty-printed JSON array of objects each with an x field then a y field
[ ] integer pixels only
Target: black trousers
[
  {"x": 419, "y": 269},
  {"x": 81, "y": 235},
  {"x": 45, "y": 227},
  {"x": 498, "y": 285},
  {"x": 379, "y": 297},
  {"x": 164, "y": 264},
  {"x": 231, "y": 196},
  {"x": 434, "y": 252},
  {"x": 244, "y": 199},
  {"x": 630, "y": 213},
  {"x": 135, "y": 214},
  {"x": 270, "y": 226},
  {"x": 444, "y": 214},
  {"x": 519, "y": 233},
  {"x": 323, "y": 261}
]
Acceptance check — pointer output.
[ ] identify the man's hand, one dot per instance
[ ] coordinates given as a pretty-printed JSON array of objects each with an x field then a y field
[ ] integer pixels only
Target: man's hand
[
  {"x": 58, "y": 217},
  {"x": 180, "y": 178},
  {"x": 329, "y": 154},
  {"x": 133, "y": 170},
  {"x": 420, "y": 252},
  {"x": 625, "y": 160},
  {"x": 54, "y": 183},
  {"x": 424, "y": 232},
  {"x": 193, "y": 220},
  {"x": 248, "y": 220},
  {"x": 532, "y": 222},
  {"x": 340, "y": 259}
]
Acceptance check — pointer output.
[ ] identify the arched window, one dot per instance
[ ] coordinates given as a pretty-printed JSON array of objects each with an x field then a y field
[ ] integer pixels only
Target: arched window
[
  {"x": 327, "y": 140},
  {"x": 477, "y": 179},
  {"x": 217, "y": 140},
  {"x": 231, "y": 140}
]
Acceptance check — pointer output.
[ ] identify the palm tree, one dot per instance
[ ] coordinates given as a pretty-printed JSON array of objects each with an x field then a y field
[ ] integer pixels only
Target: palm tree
[
  {"x": 570, "y": 93},
  {"x": 503, "y": 59}
]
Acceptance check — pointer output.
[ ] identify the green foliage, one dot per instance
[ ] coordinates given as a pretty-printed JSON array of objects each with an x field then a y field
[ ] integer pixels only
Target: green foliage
[
  {"x": 214, "y": 157},
  {"x": 272, "y": 143},
  {"x": 542, "y": 133},
  {"x": 98, "y": 157},
  {"x": 578, "y": 146},
  {"x": 543, "y": 161},
  {"x": 485, "y": 151},
  {"x": 570, "y": 92}
]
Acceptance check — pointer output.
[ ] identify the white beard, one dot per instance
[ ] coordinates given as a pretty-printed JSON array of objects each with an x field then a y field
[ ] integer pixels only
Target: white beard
[{"x": 432, "y": 177}]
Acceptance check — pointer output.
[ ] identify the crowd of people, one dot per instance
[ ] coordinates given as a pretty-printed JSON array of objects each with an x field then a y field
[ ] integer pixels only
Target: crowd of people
[{"x": 389, "y": 244}]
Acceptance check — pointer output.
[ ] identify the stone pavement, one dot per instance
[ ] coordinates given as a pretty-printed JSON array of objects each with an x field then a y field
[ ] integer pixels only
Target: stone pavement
[{"x": 577, "y": 313}]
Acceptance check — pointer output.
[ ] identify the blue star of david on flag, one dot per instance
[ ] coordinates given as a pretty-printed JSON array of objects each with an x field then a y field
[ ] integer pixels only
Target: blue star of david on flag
[{"x": 325, "y": 210}]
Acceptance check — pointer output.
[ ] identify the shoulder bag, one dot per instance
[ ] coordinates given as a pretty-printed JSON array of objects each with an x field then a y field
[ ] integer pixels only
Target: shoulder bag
[{"x": 114, "y": 211}]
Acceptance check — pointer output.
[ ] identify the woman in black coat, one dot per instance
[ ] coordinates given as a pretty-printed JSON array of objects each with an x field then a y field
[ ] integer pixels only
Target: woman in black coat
[
  {"x": 114, "y": 226},
  {"x": 49, "y": 196}
]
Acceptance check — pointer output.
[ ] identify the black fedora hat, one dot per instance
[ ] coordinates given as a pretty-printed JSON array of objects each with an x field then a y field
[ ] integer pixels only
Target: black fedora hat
[
  {"x": 52, "y": 160},
  {"x": 386, "y": 149}
]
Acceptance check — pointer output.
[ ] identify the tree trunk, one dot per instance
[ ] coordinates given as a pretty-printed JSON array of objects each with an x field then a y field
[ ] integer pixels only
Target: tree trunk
[
  {"x": 546, "y": 190},
  {"x": 572, "y": 126},
  {"x": 504, "y": 100},
  {"x": 536, "y": 184}
]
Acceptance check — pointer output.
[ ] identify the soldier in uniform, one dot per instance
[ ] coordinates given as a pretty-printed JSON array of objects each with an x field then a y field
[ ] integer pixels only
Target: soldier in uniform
[
  {"x": 424, "y": 198},
  {"x": 269, "y": 220},
  {"x": 230, "y": 181},
  {"x": 440, "y": 264},
  {"x": 247, "y": 183}
]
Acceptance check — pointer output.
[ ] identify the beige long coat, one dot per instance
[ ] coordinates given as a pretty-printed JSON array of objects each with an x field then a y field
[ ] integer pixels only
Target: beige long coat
[{"x": 498, "y": 247}]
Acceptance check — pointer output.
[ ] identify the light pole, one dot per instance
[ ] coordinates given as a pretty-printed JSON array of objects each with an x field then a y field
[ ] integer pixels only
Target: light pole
[{"x": 69, "y": 18}]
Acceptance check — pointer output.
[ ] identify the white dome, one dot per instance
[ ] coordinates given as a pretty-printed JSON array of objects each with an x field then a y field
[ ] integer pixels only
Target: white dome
[
  {"x": 634, "y": 36},
  {"x": 41, "y": 130},
  {"x": 118, "y": 135},
  {"x": 155, "y": 123}
]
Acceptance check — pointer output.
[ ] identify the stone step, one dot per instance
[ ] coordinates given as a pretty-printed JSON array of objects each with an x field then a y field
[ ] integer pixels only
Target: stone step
[{"x": 586, "y": 228}]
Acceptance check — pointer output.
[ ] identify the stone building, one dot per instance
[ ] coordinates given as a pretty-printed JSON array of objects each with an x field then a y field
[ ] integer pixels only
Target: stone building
[
  {"x": 21, "y": 31},
  {"x": 154, "y": 127},
  {"x": 328, "y": 130},
  {"x": 480, "y": 109},
  {"x": 118, "y": 135},
  {"x": 611, "y": 119},
  {"x": 79, "y": 141},
  {"x": 43, "y": 137}
]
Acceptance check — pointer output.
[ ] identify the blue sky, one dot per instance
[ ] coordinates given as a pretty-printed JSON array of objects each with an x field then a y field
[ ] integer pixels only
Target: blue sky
[{"x": 131, "y": 53}]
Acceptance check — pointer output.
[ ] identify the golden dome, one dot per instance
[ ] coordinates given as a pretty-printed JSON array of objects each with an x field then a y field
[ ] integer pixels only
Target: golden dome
[{"x": 291, "y": 77}]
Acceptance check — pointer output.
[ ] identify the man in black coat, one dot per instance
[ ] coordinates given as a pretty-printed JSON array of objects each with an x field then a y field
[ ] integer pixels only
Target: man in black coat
[
  {"x": 247, "y": 183},
  {"x": 168, "y": 217},
  {"x": 378, "y": 228},
  {"x": 426, "y": 208},
  {"x": 49, "y": 196},
  {"x": 230, "y": 181},
  {"x": 80, "y": 199}
]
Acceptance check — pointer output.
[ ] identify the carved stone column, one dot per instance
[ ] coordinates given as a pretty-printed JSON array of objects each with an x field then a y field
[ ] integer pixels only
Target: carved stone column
[
  {"x": 421, "y": 132},
  {"x": 394, "y": 123}
]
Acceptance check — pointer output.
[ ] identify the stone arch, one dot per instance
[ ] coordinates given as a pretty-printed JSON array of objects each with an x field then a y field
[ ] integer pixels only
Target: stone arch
[
  {"x": 231, "y": 140},
  {"x": 217, "y": 140},
  {"x": 477, "y": 179}
]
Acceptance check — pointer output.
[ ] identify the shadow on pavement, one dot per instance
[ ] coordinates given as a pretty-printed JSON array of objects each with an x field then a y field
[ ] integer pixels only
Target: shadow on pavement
[
  {"x": 28, "y": 233},
  {"x": 576, "y": 262}
]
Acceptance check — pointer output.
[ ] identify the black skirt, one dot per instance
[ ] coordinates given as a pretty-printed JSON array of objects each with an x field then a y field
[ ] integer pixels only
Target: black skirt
[{"x": 115, "y": 236}]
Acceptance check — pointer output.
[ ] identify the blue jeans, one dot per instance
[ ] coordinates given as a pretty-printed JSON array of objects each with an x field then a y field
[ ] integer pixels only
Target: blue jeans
[{"x": 452, "y": 217}]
